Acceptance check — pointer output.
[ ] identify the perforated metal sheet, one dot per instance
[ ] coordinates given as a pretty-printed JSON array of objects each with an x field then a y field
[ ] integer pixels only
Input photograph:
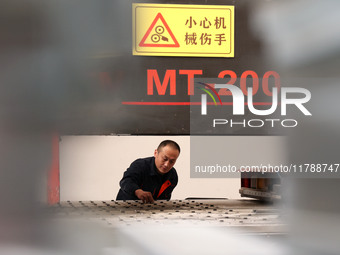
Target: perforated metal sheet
[{"x": 249, "y": 215}]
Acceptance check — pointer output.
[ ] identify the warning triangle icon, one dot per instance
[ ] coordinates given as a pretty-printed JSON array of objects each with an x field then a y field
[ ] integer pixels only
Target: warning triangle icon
[{"x": 159, "y": 34}]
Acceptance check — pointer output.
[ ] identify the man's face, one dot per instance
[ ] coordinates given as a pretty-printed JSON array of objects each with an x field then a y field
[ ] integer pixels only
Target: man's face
[{"x": 165, "y": 159}]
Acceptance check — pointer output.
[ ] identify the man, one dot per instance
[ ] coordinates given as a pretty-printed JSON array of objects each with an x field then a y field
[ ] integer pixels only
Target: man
[{"x": 152, "y": 178}]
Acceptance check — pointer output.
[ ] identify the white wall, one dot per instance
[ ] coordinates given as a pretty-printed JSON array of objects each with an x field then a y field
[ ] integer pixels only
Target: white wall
[{"x": 92, "y": 166}]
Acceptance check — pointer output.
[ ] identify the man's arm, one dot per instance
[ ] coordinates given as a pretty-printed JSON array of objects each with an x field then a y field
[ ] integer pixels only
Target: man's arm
[
  {"x": 132, "y": 182},
  {"x": 132, "y": 178}
]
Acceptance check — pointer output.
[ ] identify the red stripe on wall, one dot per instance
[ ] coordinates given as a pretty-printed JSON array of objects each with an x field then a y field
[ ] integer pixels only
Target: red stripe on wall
[{"x": 53, "y": 186}]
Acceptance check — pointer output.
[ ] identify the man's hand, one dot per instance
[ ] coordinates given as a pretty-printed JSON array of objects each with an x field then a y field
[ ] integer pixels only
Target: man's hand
[{"x": 145, "y": 196}]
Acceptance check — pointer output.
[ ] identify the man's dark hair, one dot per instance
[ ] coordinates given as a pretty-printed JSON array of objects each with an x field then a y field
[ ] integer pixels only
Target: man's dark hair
[{"x": 171, "y": 143}]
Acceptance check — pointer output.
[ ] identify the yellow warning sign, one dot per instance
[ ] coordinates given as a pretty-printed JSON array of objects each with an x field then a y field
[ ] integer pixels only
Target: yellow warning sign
[{"x": 183, "y": 30}]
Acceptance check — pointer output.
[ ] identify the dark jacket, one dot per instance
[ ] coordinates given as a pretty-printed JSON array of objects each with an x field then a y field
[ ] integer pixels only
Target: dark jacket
[{"x": 142, "y": 174}]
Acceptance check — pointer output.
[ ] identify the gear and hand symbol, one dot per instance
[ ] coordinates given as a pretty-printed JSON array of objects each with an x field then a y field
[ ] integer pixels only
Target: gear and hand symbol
[{"x": 158, "y": 36}]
